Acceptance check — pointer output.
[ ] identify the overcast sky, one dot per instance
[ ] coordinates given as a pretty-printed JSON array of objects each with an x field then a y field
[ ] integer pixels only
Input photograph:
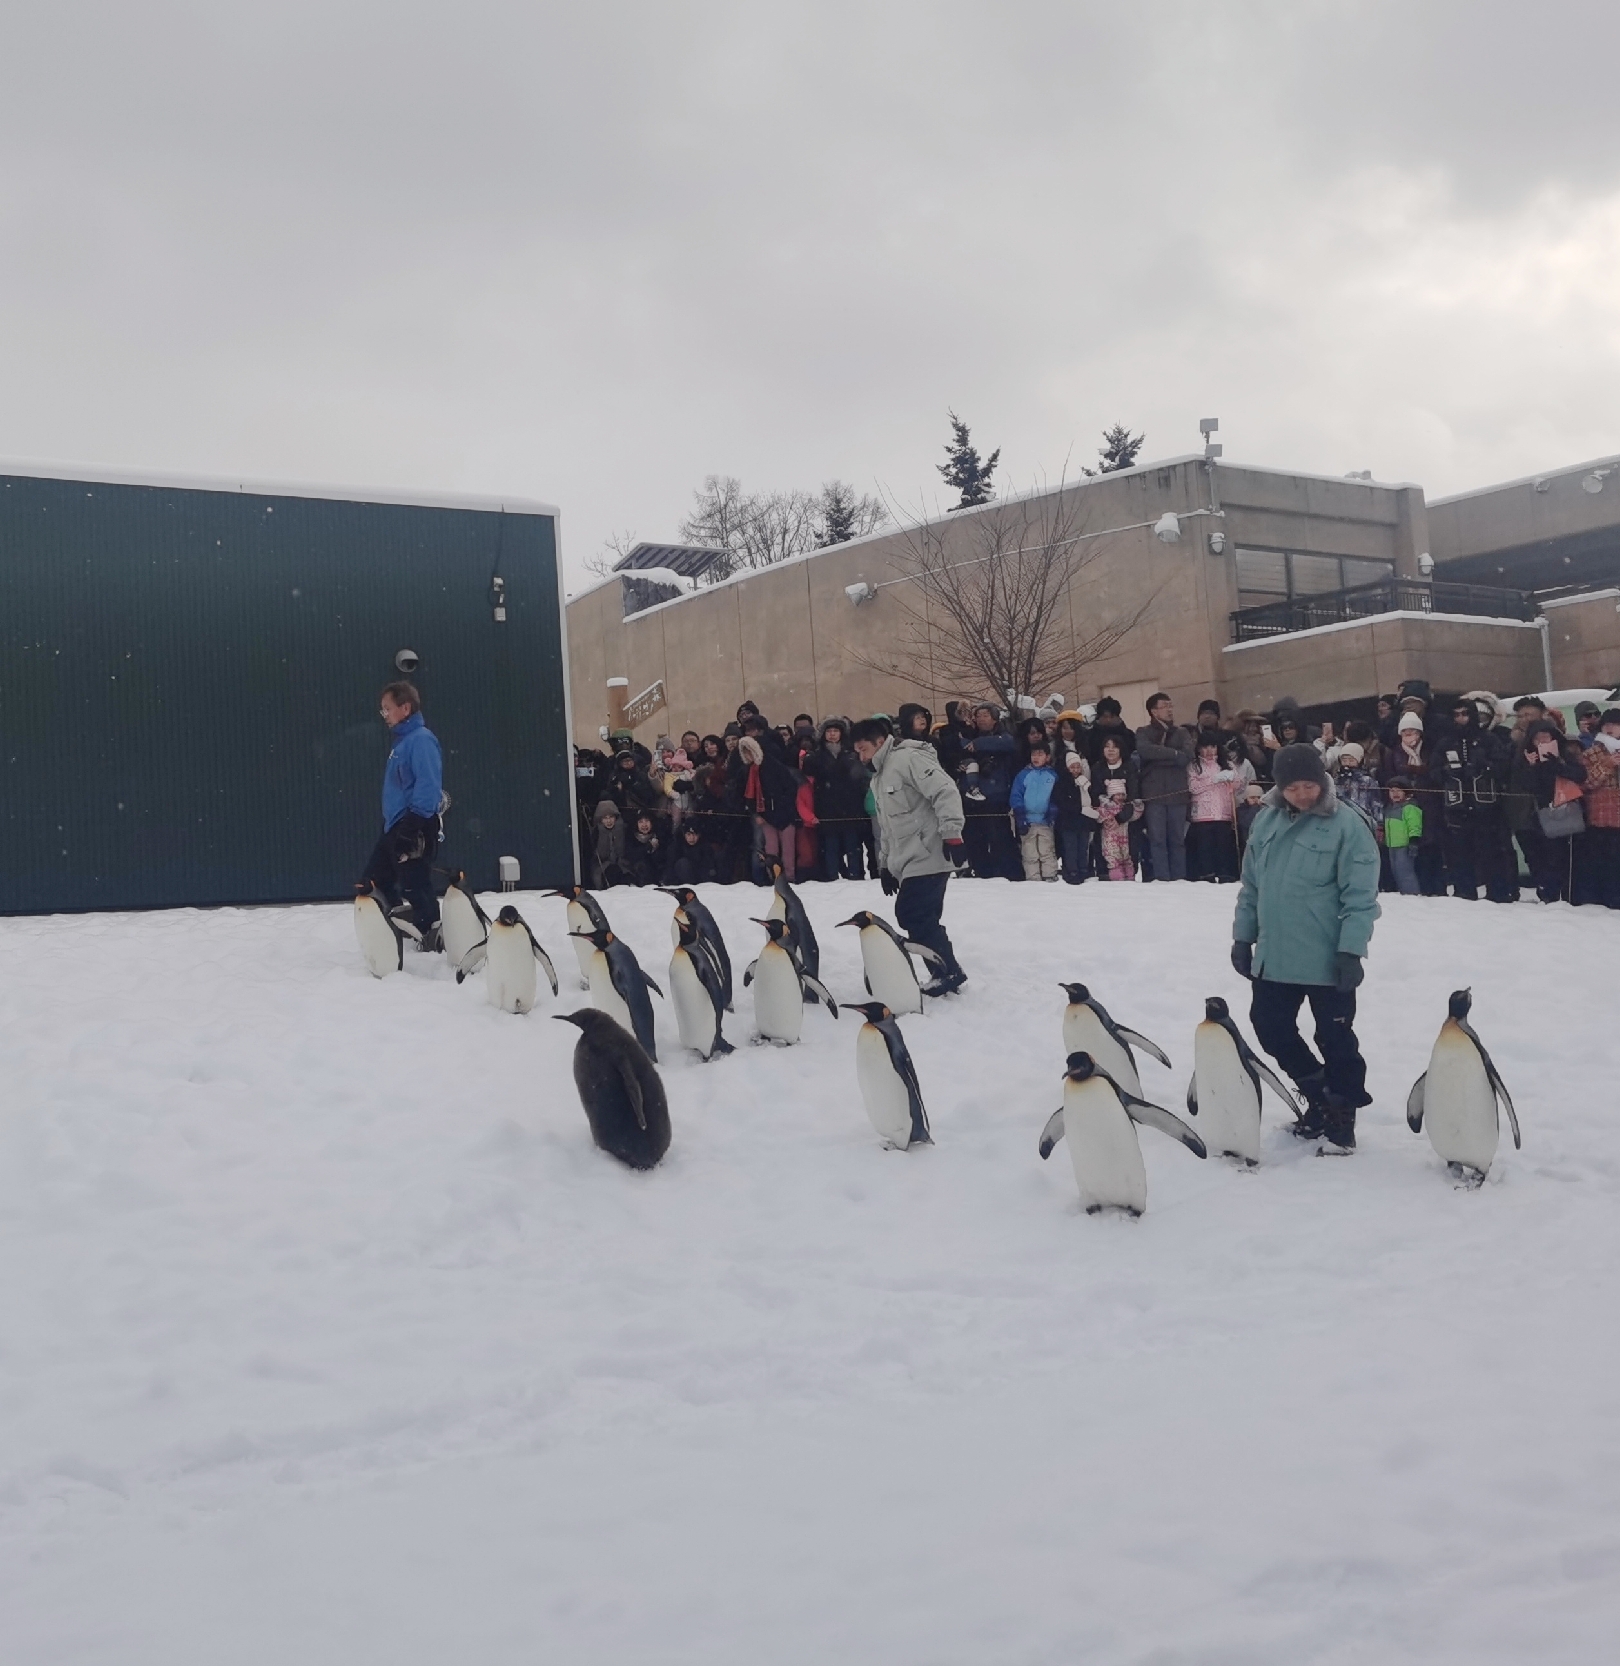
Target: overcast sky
[{"x": 590, "y": 253}]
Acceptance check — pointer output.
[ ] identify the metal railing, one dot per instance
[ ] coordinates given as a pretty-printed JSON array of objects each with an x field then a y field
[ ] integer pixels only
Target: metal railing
[{"x": 1367, "y": 601}]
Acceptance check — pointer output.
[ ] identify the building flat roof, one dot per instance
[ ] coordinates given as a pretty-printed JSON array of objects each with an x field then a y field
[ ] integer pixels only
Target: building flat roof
[
  {"x": 94, "y": 475},
  {"x": 1528, "y": 480}
]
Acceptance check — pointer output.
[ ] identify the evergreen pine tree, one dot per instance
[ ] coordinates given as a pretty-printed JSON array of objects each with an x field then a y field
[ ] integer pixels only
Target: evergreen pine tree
[
  {"x": 837, "y": 514},
  {"x": 1118, "y": 450},
  {"x": 963, "y": 469}
]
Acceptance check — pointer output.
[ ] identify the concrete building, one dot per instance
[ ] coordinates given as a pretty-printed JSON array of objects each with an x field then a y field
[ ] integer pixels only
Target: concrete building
[{"x": 1327, "y": 589}]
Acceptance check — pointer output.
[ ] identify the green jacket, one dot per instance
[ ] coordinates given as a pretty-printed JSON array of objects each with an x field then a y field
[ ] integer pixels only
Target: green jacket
[
  {"x": 1403, "y": 825},
  {"x": 1310, "y": 889}
]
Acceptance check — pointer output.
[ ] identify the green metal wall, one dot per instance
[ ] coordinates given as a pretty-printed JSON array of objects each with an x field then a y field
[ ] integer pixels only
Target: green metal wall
[{"x": 189, "y": 679}]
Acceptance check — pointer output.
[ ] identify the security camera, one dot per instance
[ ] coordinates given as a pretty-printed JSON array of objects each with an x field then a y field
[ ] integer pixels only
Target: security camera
[
  {"x": 1167, "y": 529},
  {"x": 859, "y": 593},
  {"x": 1217, "y": 543},
  {"x": 407, "y": 660}
]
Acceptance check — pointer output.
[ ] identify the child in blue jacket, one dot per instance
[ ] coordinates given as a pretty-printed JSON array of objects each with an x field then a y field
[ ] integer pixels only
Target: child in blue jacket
[{"x": 1031, "y": 806}]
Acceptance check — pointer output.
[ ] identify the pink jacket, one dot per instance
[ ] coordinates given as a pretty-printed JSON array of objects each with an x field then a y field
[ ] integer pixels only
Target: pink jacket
[{"x": 1212, "y": 797}]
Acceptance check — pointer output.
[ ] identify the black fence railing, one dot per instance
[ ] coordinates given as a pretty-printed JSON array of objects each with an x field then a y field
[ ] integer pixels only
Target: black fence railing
[{"x": 1367, "y": 601}]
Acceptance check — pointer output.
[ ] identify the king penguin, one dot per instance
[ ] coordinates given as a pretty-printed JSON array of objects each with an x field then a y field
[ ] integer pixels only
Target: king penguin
[
  {"x": 510, "y": 955},
  {"x": 1087, "y": 1028},
  {"x": 1458, "y": 1095},
  {"x": 1099, "y": 1120},
  {"x": 381, "y": 935},
  {"x": 708, "y": 928},
  {"x": 619, "y": 987},
  {"x": 622, "y": 1095},
  {"x": 1225, "y": 1088},
  {"x": 785, "y": 905},
  {"x": 888, "y": 1078},
  {"x": 781, "y": 987},
  {"x": 584, "y": 916},
  {"x": 886, "y": 962},
  {"x": 465, "y": 927},
  {"x": 694, "y": 987}
]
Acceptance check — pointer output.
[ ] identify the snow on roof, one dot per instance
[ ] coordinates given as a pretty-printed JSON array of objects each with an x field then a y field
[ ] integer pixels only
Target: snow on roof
[
  {"x": 1528, "y": 480},
  {"x": 95, "y": 475}
]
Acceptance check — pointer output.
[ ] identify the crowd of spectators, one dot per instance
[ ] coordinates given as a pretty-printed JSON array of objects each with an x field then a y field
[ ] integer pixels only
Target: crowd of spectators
[{"x": 1456, "y": 791}]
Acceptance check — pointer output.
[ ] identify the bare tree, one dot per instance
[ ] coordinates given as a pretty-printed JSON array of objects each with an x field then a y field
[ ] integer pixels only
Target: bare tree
[
  {"x": 991, "y": 610},
  {"x": 759, "y": 529},
  {"x": 615, "y": 547}
]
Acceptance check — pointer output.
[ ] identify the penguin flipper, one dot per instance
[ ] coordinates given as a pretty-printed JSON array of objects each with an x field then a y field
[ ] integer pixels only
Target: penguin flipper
[
  {"x": 472, "y": 960},
  {"x": 1414, "y": 1104},
  {"x": 1143, "y": 1042},
  {"x": 1274, "y": 1082},
  {"x": 632, "y": 1089},
  {"x": 817, "y": 988},
  {"x": 1192, "y": 1095},
  {"x": 1496, "y": 1081},
  {"x": 1051, "y": 1133},
  {"x": 748, "y": 976},
  {"x": 545, "y": 960},
  {"x": 653, "y": 987},
  {"x": 922, "y": 950},
  {"x": 1167, "y": 1122}
]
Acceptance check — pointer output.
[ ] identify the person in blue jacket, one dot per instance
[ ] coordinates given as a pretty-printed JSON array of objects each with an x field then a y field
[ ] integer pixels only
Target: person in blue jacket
[
  {"x": 1304, "y": 922},
  {"x": 1033, "y": 814},
  {"x": 401, "y": 866}
]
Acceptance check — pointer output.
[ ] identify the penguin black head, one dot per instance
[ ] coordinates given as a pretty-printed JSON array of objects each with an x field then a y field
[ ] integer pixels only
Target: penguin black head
[
  {"x": 362, "y": 888},
  {"x": 1216, "y": 1010},
  {"x": 681, "y": 893},
  {"x": 874, "y": 1012},
  {"x": 1081, "y": 1067},
  {"x": 1461, "y": 1000},
  {"x": 1079, "y": 995},
  {"x": 776, "y": 930},
  {"x": 863, "y": 920},
  {"x": 571, "y": 893},
  {"x": 601, "y": 937},
  {"x": 593, "y": 1024},
  {"x": 509, "y": 916}
]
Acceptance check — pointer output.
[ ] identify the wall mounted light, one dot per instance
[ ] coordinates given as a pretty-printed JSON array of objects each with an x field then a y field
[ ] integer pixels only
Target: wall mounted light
[
  {"x": 1167, "y": 529},
  {"x": 406, "y": 661},
  {"x": 1217, "y": 543},
  {"x": 1593, "y": 482},
  {"x": 1426, "y": 564},
  {"x": 859, "y": 593}
]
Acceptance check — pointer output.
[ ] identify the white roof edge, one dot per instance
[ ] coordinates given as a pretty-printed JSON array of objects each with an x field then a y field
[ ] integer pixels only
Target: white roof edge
[
  {"x": 1373, "y": 619},
  {"x": 1528, "y": 480},
  {"x": 94, "y": 475},
  {"x": 1335, "y": 479},
  {"x": 1585, "y": 596}
]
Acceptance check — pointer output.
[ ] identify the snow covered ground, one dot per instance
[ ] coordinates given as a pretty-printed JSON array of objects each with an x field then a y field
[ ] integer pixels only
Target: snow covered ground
[{"x": 327, "y": 1336}]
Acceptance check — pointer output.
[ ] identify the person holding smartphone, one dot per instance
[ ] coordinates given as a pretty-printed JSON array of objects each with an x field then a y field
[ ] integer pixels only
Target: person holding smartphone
[{"x": 1541, "y": 760}]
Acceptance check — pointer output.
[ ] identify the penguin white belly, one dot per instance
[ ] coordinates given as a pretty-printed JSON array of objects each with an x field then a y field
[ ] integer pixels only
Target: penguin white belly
[
  {"x": 1459, "y": 1108},
  {"x": 579, "y": 920},
  {"x": 1083, "y": 1032},
  {"x": 778, "y": 908},
  {"x": 463, "y": 930},
  {"x": 604, "y": 997},
  {"x": 888, "y": 972},
  {"x": 887, "y": 1102},
  {"x": 1103, "y": 1147},
  {"x": 778, "y": 996},
  {"x": 1228, "y": 1105},
  {"x": 694, "y": 1011},
  {"x": 376, "y": 938},
  {"x": 509, "y": 967}
]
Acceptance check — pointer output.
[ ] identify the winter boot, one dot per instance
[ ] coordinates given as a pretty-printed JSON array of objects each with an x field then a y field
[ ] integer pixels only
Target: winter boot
[
  {"x": 1312, "y": 1121},
  {"x": 1339, "y": 1126}
]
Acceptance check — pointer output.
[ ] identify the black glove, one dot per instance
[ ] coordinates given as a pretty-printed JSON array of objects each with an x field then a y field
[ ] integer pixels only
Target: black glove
[
  {"x": 1347, "y": 971},
  {"x": 1243, "y": 960},
  {"x": 890, "y": 884},
  {"x": 957, "y": 852},
  {"x": 410, "y": 835}
]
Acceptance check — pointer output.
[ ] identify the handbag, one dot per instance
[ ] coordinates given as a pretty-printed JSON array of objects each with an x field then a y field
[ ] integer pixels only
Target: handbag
[{"x": 1562, "y": 818}]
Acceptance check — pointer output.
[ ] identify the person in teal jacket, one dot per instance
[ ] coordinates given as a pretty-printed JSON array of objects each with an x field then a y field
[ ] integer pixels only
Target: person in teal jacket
[{"x": 1304, "y": 922}]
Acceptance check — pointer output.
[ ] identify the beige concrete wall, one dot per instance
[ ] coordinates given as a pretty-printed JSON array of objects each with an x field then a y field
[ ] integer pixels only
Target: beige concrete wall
[
  {"x": 1346, "y": 662},
  {"x": 1584, "y": 636},
  {"x": 788, "y": 637},
  {"x": 1515, "y": 514}
]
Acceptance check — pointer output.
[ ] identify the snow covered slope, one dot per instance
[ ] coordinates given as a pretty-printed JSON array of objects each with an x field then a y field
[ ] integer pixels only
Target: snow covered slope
[{"x": 327, "y": 1336}]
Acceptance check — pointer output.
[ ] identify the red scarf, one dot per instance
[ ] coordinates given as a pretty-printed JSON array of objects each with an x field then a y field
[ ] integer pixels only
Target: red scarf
[{"x": 754, "y": 793}]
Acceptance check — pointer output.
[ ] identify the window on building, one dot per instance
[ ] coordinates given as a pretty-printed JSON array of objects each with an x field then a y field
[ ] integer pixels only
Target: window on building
[{"x": 1278, "y": 575}]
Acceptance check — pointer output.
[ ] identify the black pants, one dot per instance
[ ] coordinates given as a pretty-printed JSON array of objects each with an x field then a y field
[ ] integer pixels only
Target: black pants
[
  {"x": 1550, "y": 861},
  {"x": 1274, "y": 1012},
  {"x": 1212, "y": 851},
  {"x": 992, "y": 849},
  {"x": 401, "y": 866},
  {"x": 917, "y": 911},
  {"x": 1478, "y": 852}
]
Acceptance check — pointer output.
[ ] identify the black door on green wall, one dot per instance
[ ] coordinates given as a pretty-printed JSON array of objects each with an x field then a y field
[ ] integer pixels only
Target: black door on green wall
[{"x": 189, "y": 679}]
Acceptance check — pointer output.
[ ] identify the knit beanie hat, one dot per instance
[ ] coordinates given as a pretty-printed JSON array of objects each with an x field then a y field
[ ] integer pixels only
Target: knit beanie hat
[
  {"x": 1298, "y": 763},
  {"x": 1350, "y": 753},
  {"x": 1411, "y": 720},
  {"x": 1209, "y": 706}
]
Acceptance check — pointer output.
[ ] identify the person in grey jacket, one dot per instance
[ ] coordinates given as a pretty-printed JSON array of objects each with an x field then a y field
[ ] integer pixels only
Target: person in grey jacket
[
  {"x": 1304, "y": 923},
  {"x": 919, "y": 832},
  {"x": 1164, "y": 752}
]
